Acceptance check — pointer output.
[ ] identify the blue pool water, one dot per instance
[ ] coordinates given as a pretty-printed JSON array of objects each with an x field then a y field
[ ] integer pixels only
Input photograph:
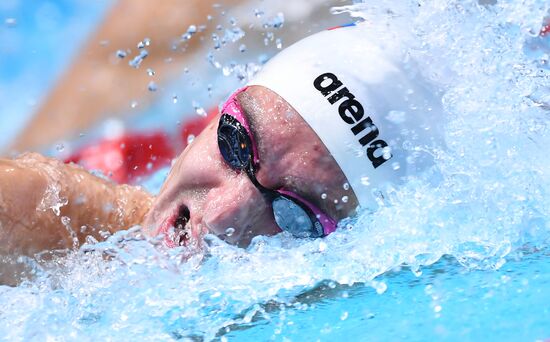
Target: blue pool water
[{"x": 460, "y": 253}]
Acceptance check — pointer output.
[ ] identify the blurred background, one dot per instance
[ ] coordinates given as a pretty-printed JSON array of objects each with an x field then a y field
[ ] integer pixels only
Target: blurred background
[
  {"x": 38, "y": 40},
  {"x": 74, "y": 74}
]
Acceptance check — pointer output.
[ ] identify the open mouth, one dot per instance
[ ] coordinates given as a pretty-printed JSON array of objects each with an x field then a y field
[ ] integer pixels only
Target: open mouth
[{"x": 182, "y": 231}]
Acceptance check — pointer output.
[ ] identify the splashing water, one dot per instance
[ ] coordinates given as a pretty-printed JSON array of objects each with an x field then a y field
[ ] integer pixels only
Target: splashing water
[{"x": 485, "y": 208}]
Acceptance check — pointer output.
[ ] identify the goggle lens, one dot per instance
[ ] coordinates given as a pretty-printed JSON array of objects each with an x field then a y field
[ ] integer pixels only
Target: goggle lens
[
  {"x": 234, "y": 145},
  {"x": 292, "y": 218}
]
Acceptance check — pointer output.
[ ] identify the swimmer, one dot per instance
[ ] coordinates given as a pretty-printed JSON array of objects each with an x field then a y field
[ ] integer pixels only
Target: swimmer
[{"x": 330, "y": 124}]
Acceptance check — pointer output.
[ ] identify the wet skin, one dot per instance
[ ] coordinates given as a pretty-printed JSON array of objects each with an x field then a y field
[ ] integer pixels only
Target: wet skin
[{"x": 217, "y": 197}]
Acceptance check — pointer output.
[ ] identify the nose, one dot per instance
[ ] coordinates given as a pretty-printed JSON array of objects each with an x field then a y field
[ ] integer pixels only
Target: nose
[
  {"x": 218, "y": 198},
  {"x": 237, "y": 212}
]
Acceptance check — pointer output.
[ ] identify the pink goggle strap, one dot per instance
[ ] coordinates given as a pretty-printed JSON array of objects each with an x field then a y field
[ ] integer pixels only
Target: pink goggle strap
[{"x": 233, "y": 108}]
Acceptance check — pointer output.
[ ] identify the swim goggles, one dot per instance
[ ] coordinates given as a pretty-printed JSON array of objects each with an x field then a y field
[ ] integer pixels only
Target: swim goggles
[{"x": 292, "y": 213}]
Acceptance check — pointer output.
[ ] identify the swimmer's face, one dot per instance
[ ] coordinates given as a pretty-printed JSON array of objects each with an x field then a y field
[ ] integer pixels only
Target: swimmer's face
[{"x": 224, "y": 202}]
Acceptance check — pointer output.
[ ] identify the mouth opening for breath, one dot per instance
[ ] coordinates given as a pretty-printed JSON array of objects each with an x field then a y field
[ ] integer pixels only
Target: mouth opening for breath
[{"x": 182, "y": 232}]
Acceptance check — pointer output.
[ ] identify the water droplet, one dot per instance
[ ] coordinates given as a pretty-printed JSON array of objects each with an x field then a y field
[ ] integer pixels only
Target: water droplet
[
  {"x": 275, "y": 22},
  {"x": 242, "y": 48},
  {"x": 380, "y": 287},
  {"x": 344, "y": 316},
  {"x": 279, "y": 43},
  {"x": 229, "y": 231},
  {"x": 407, "y": 145},
  {"x": 345, "y": 199},
  {"x": 226, "y": 71},
  {"x": 198, "y": 109},
  {"x": 323, "y": 196},
  {"x": 174, "y": 99},
  {"x": 396, "y": 116},
  {"x": 65, "y": 220},
  {"x": 365, "y": 181},
  {"x": 190, "y": 138},
  {"x": 121, "y": 54},
  {"x": 104, "y": 233},
  {"x": 150, "y": 72},
  {"x": 258, "y": 13},
  {"x": 152, "y": 86},
  {"x": 346, "y": 186},
  {"x": 192, "y": 29},
  {"x": 386, "y": 153},
  {"x": 10, "y": 22},
  {"x": 136, "y": 61}
]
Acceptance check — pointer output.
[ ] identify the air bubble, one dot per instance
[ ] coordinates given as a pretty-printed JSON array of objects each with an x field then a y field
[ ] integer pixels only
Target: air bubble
[
  {"x": 150, "y": 72},
  {"x": 345, "y": 199},
  {"x": 346, "y": 186},
  {"x": 190, "y": 138},
  {"x": 174, "y": 99},
  {"x": 229, "y": 231},
  {"x": 279, "y": 43},
  {"x": 344, "y": 316},
  {"x": 59, "y": 147},
  {"x": 365, "y": 181},
  {"x": 242, "y": 48},
  {"x": 133, "y": 104},
  {"x": 323, "y": 196}
]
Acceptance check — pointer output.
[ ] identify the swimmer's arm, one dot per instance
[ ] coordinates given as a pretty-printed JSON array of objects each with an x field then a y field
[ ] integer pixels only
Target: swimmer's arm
[
  {"x": 99, "y": 84},
  {"x": 31, "y": 187}
]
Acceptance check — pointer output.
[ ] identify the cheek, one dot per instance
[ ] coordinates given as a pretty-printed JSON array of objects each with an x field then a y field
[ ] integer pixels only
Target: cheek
[{"x": 240, "y": 206}]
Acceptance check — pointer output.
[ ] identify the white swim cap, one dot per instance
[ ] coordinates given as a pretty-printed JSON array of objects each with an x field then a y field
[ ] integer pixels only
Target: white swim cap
[{"x": 373, "y": 111}]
